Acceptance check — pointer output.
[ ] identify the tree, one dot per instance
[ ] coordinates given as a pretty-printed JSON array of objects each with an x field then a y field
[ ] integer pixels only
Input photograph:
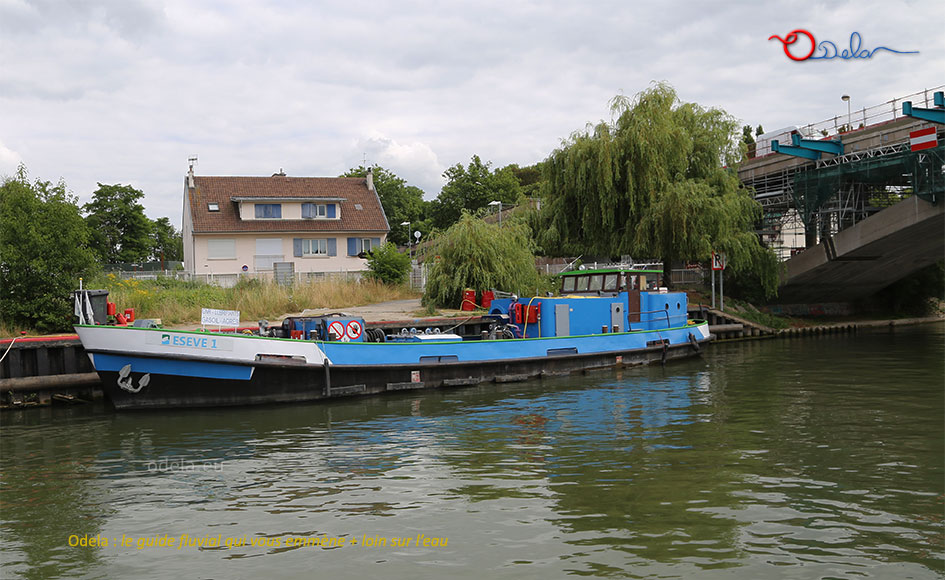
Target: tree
[
  {"x": 747, "y": 137},
  {"x": 401, "y": 202},
  {"x": 529, "y": 178},
  {"x": 167, "y": 244},
  {"x": 43, "y": 252},
  {"x": 657, "y": 182},
  {"x": 120, "y": 230},
  {"x": 387, "y": 265},
  {"x": 472, "y": 188},
  {"x": 478, "y": 255}
]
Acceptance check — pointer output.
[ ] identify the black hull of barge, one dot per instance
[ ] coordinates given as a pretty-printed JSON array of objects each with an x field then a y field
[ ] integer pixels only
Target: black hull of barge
[{"x": 274, "y": 383}]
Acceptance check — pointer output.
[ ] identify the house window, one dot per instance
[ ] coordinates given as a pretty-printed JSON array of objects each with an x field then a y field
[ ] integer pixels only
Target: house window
[
  {"x": 268, "y": 252},
  {"x": 268, "y": 211},
  {"x": 221, "y": 249},
  {"x": 314, "y": 210},
  {"x": 358, "y": 245},
  {"x": 319, "y": 211},
  {"x": 213, "y": 207},
  {"x": 314, "y": 247}
]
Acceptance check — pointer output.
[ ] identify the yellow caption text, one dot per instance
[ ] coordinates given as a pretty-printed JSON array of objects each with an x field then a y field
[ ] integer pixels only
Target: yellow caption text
[{"x": 186, "y": 541}]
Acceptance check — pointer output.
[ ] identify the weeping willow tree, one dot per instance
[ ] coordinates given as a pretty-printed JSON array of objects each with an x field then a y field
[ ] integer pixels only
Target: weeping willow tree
[
  {"x": 655, "y": 182},
  {"x": 475, "y": 254}
]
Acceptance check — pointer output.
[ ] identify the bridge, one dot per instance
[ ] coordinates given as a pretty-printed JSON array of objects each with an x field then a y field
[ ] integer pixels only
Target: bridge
[{"x": 852, "y": 210}]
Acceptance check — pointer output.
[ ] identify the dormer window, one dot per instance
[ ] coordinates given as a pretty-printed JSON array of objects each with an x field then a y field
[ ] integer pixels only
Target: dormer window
[
  {"x": 213, "y": 207},
  {"x": 272, "y": 211},
  {"x": 318, "y": 211},
  {"x": 314, "y": 210}
]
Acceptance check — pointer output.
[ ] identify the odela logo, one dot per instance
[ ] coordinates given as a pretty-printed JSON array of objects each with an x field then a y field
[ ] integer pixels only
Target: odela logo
[{"x": 799, "y": 44}]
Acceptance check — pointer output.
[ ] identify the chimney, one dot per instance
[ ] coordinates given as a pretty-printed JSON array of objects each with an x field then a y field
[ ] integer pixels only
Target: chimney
[
  {"x": 370, "y": 179},
  {"x": 190, "y": 172}
]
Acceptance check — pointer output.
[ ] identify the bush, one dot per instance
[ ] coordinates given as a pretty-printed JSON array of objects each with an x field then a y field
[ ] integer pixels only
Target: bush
[{"x": 387, "y": 265}]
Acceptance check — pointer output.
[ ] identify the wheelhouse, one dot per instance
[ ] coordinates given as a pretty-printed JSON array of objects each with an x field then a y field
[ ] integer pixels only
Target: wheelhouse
[{"x": 600, "y": 282}]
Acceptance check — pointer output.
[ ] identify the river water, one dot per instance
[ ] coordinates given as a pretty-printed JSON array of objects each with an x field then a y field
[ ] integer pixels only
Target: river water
[{"x": 807, "y": 458}]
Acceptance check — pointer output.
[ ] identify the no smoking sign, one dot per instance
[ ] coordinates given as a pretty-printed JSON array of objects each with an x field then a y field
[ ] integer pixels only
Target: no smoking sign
[{"x": 337, "y": 328}]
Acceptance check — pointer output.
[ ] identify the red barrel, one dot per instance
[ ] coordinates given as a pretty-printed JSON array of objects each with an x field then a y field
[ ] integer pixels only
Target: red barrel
[
  {"x": 487, "y": 297},
  {"x": 130, "y": 314},
  {"x": 110, "y": 308},
  {"x": 469, "y": 300}
]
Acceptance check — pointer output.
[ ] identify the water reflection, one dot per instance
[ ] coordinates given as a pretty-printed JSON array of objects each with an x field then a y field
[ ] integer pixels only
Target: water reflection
[{"x": 758, "y": 456}]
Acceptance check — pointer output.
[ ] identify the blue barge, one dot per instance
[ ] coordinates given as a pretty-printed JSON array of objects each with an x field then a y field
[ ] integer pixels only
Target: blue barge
[{"x": 602, "y": 318}]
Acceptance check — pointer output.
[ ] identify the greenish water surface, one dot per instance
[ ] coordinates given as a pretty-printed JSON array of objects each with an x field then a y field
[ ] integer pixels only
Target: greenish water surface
[{"x": 808, "y": 458}]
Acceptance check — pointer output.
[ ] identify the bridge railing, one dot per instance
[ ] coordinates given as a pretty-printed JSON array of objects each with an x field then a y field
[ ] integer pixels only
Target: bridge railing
[{"x": 859, "y": 118}]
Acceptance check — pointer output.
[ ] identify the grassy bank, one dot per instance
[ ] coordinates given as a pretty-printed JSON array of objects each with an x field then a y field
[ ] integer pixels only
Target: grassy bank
[{"x": 179, "y": 302}]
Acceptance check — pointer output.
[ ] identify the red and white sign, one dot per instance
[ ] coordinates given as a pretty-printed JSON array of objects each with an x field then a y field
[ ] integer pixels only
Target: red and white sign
[
  {"x": 923, "y": 139},
  {"x": 718, "y": 261},
  {"x": 353, "y": 330},
  {"x": 337, "y": 328}
]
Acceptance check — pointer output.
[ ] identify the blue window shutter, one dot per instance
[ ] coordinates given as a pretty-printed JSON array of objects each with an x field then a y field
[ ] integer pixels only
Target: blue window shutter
[
  {"x": 297, "y": 247},
  {"x": 353, "y": 246},
  {"x": 277, "y": 210},
  {"x": 332, "y": 247},
  {"x": 308, "y": 210},
  {"x": 330, "y": 210},
  {"x": 375, "y": 243}
]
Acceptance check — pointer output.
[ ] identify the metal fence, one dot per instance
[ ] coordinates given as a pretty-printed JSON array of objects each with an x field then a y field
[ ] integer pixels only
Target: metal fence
[
  {"x": 230, "y": 280},
  {"x": 855, "y": 118},
  {"x": 685, "y": 276}
]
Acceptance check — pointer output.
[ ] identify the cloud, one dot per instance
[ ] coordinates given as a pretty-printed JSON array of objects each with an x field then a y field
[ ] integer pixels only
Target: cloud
[
  {"x": 414, "y": 162},
  {"x": 124, "y": 92},
  {"x": 9, "y": 161}
]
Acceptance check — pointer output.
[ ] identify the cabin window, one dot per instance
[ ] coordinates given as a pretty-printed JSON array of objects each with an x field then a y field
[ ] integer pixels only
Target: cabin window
[
  {"x": 596, "y": 283},
  {"x": 366, "y": 245},
  {"x": 268, "y": 211},
  {"x": 582, "y": 282},
  {"x": 213, "y": 207},
  {"x": 568, "y": 285},
  {"x": 610, "y": 282}
]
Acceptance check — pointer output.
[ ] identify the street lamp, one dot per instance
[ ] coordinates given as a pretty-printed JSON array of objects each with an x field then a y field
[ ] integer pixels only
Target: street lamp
[
  {"x": 849, "y": 122},
  {"x": 408, "y": 238},
  {"x": 498, "y": 203}
]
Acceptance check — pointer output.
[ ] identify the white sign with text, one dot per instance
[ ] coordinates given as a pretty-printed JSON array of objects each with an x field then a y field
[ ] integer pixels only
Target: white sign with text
[{"x": 213, "y": 317}]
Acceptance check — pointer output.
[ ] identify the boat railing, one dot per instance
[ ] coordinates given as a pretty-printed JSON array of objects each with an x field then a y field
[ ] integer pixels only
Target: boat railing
[{"x": 664, "y": 312}]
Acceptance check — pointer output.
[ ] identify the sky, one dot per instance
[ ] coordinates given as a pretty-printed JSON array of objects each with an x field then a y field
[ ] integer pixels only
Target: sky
[{"x": 126, "y": 91}]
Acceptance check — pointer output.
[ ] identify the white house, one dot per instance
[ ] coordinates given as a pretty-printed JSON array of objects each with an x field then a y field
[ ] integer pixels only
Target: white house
[{"x": 245, "y": 225}]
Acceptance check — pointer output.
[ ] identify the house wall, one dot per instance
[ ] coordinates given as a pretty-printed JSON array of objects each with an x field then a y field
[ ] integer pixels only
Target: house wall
[
  {"x": 187, "y": 232},
  {"x": 246, "y": 254}
]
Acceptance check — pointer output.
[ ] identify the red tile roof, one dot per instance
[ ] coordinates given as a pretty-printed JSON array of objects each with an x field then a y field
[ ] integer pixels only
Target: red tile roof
[{"x": 221, "y": 190}]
